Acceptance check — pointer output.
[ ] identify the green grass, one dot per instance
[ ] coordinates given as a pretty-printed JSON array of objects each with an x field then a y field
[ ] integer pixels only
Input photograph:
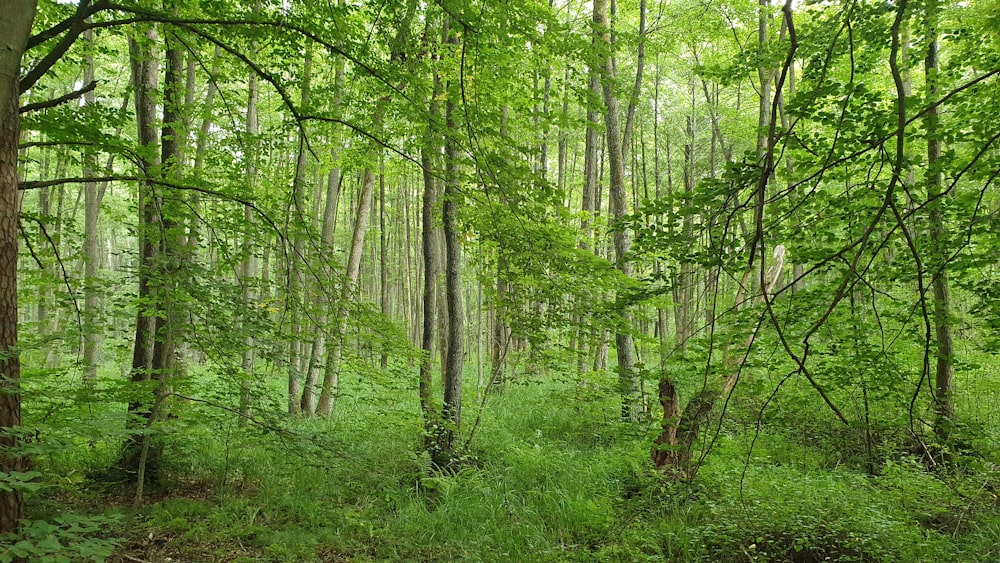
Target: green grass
[{"x": 551, "y": 476}]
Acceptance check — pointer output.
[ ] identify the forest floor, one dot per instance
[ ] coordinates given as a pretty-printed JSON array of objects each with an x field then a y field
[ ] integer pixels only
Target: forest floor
[{"x": 550, "y": 476}]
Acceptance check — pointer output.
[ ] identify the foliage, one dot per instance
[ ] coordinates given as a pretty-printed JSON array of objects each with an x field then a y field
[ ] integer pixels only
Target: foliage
[
  {"x": 68, "y": 537},
  {"x": 753, "y": 131}
]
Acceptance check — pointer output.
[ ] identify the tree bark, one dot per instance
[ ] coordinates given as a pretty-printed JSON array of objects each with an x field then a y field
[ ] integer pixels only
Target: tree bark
[
  {"x": 331, "y": 376},
  {"x": 331, "y": 373},
  {"x": 628, "y": 380},
  {"x": 944, "y": 407},
  {"x": 91, "y": 248},
  {"x": 432, "y": 423},
  {"x": 640, "y": 63},
  {"x": 455, "y": 359},
  {"x": 591, "y": 174},
  {"x": 295, "y": 229},
  {"x": 15, "y": 26},
  {"x": 145, "y": 77},
  {"x": 383, "y": 259},
  {"x": 318, "y": 355},
  {"x": 168, "y": 334},
  {"x": 248, "y": 265}
]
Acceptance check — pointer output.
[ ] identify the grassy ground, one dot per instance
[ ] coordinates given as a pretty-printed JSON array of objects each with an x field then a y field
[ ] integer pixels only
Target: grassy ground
[{"x": 551, "y": 476}]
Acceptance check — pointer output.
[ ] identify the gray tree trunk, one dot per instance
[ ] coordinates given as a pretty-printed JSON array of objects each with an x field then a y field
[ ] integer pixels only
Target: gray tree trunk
[
  {"x": 295, "y": 229},
  {"x": 318, "y": 355},
  {"x": 629, "y": 382},
  {"x": 944, "y": 407},
  {"x": 248, "y": 265},
  {"x": 331, "y": 375},
  {"x": 91, "y": 245}
]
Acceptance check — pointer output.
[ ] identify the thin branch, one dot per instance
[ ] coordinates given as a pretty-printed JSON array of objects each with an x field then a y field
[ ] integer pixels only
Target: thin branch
[
  {"x": 61, "y": 27},
  {"x": 58, "y": 101},
  {"x": 62, "y": 266}
]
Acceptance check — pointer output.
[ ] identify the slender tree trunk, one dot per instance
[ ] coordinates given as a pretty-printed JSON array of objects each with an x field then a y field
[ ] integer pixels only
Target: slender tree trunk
[
  {"x": 591, "y": 172},
  {"x": 44, "y": 212},
  {"x": 944, "y": 407},
  {"x": 562, "y": 148},
  {"x": 318, "y": 355},
  {"x": 479, "y": 335},
  {"x": 145, "y": 78},
  {"x": 248, "y": 265},
  {"x": 331, "y": 376},
  {"x": 296, "y": 230},
  {"x": 798, "y": 269},
  {"x": 455, "y": 360},
  {"x": 407, "y": 243},
  {"x": 640, "y": 63},
  {"x": 383, "y": 259},
  {"x": 331, "y": 373},
  {"x": 168, "y": 334},
  {"x": 629, "y": 382},
  {"x": 684, "y": 292},
  {"x": 432, "y": 423},
  {"x": 91, "y": 247}
]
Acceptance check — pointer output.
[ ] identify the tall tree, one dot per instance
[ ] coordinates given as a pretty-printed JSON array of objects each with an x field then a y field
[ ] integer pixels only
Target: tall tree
[
  {"x": 455, "y": 357},
  {"x": 943, "y": 401},
  {"x": 431, "y": 416},
  {"x": 15, "y": 27},
  {"x": 145, "y": 78},
  {"x": 91, "y": 247},
  {"x": 248, "y": 266},
  {"x": 629, "y": 381},
  {"x": 295, "y": 226},
  {"x": 331, "y": 374},
  {"x": 331, "y": 202},
  {"x": 168, "y": 334}
]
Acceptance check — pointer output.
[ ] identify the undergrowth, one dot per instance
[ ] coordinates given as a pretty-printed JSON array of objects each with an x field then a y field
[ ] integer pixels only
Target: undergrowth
[{"x": 551, "y": 476}]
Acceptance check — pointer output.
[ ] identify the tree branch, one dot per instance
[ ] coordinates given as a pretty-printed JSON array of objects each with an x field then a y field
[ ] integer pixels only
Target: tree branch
[
  {"x": 57, "y": 101},
  {"x": 74, "y": 26},
  {"x": 61, "y": 27}
]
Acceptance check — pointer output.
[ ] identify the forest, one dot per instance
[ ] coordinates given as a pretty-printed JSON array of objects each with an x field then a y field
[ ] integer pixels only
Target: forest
[{"x": 499, "y": 280}]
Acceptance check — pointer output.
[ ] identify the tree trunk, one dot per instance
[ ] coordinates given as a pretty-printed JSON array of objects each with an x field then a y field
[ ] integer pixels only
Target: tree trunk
[
  {"x": 432, "y": 423},
  {"x": 248, "y": 266},
  {"x": 15, "y": 27},
  {"x": 633, "y": 102},
  {"x": 501, "y": 328},
  {"x": 455, "y": 359},
  {"x": 331, "y": 375},
  {"x": 168, "y": 335},
  {"x": 944, "y": 407},
  {"x": 91, "y": 247},
  {"x": 629, "y": 382},
  {"x": 591, "y": 174},
  {"x": 145, "y": 77},
  {"x": 383, "y": 259},
  {"x": 318, "y": 355},
  {"x": 296, "y": 230}
]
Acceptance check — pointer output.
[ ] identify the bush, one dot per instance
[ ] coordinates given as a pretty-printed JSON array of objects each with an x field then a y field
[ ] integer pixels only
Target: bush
[{"x": 65, "y": 538}]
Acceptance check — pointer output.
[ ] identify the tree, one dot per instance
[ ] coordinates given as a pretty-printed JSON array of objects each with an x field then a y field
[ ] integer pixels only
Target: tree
[
  {"x": 631, "y": 404},
  {"x": 455, "y": 357},
  {"x": 145, "y": 77},
  {"x": 15, "y": 28},
  {"x": 943, "y": 401}
]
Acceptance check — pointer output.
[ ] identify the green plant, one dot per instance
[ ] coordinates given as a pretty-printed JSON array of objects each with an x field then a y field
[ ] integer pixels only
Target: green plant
[{"x": 65, "y": 538}]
